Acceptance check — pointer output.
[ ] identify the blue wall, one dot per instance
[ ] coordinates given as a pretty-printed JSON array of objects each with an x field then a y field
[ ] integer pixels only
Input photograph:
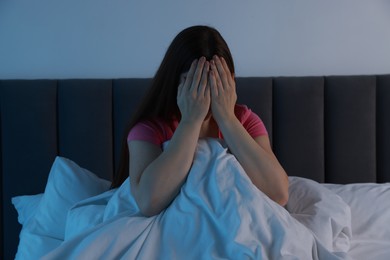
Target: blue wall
[{"x": 119, "y": 38}]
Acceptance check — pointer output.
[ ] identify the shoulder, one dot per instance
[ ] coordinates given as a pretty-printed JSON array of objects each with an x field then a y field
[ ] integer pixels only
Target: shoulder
[
  {"x": 250, "y": 120},
  {"x": 242, "y": 112},
  {"x": 156, "y": 131}
]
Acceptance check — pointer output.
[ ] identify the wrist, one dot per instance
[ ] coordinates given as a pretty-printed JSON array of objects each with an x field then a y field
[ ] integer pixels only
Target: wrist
[
  {"x": 191, "y": 122},
  {"x": 225, "y": 118},
  {"x": 193, "y": 118}
]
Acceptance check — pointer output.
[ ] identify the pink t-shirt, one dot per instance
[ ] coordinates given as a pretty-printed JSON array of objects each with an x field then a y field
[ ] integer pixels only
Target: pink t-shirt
[{"x": 158, "y": 131}]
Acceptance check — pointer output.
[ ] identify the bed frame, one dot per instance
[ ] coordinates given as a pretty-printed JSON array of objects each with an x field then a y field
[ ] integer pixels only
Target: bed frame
[{"x": 330, "y": 129}]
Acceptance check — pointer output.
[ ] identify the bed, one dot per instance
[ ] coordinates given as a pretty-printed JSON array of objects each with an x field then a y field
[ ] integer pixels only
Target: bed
[{"x": 331, "y": 130}]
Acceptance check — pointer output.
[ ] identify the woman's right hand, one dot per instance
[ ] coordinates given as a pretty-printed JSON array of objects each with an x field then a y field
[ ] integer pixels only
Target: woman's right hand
[
  {"x": 193, "y": 94},
  {"x": 158, "y": 175}
]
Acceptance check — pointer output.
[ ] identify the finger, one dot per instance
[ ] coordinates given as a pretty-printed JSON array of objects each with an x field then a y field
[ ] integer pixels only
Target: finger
[
  {"x": 213, "y": 84},
  {"x": 203, "y": 82},
  {"x": 221, "y": 71},
  {"x": 207, "y": 93},
  {"x": 190, "y": 74},
  {"x": 197, "y": 75},
  {"x": 218, "y": 82},
  {"x": 227, "y": 71}
]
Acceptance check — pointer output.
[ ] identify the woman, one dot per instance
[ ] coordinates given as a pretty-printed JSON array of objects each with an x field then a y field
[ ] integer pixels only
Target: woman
[{"x": 193, "y": 96}]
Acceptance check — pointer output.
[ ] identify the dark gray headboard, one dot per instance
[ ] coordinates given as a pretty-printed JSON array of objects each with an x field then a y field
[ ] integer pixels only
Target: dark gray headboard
[{"x": 330, "y": 129}]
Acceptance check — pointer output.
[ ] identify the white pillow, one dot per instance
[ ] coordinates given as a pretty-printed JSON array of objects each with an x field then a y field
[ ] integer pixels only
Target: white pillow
[
  {"x": 31, "y": 245},
  {"x": 370, "y": 208},
  {"x": 322, "y": 211},
  {"x": 26, "y": 206},
  {"x": 67, "y": 184}
]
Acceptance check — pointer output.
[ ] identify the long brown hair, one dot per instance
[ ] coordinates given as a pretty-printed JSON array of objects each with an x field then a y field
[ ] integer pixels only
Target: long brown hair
[{"x": 160, "y": 100}]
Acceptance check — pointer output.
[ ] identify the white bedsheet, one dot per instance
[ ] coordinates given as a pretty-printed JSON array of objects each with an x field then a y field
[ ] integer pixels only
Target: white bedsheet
[
  {"x": 370, "y": 211},
  {"x": 219, "y": 214}
]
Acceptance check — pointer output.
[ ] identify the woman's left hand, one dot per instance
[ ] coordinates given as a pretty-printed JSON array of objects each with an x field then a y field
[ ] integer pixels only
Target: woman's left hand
[{"x": 223, "y": 90}]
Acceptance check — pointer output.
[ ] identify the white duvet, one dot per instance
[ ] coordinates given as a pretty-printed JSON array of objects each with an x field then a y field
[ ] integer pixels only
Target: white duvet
[{"x": 218, "y": 214}]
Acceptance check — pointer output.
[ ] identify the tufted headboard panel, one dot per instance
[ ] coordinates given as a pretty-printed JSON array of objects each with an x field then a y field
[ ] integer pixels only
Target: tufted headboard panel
[{"x": 330, "y": 129}]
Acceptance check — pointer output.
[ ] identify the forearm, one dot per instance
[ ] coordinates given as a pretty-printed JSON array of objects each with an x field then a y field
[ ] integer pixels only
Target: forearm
[
  {"x": 162, "y": 179},
  {"x": 261, "y": 166}
]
